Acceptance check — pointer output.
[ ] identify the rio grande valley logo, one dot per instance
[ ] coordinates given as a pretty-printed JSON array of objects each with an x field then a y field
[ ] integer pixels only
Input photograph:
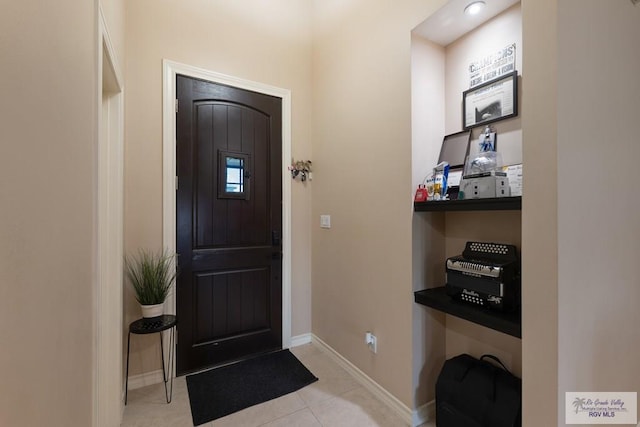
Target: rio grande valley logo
[{"x": 601, "y": 408}]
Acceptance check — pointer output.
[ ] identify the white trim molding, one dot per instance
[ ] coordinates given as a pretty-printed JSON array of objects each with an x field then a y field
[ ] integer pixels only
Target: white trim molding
[
  {"x": 145, "y": 379},
  {"x": 299, "y": 340},
  {"x": 402, "y": 410},
  {"x": 424, "y": 413},
  {"x": 108, "y": 377},
  {"x": 170, "y": 70}
]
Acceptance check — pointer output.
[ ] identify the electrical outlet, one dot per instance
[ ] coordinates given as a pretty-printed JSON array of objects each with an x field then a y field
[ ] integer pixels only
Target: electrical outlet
[{"x": 371, "y": 341}]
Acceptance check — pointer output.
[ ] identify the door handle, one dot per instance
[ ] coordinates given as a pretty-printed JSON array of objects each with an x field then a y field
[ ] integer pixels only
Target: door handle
[{"x": 275, "y": 238}]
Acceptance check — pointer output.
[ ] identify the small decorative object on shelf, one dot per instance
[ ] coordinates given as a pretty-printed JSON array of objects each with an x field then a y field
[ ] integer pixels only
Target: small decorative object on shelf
[
  {"x": 301, "y": 168},
  {"x": 487, "y": 140}
]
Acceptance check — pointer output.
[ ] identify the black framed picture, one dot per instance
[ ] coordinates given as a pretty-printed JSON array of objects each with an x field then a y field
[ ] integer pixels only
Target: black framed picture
[
  {"x": 491, "y": 101},
  {"x": 455, "y": 148}
]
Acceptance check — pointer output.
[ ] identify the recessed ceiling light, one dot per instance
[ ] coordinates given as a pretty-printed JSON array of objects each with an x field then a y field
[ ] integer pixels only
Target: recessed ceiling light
[{"x": 474, "y": 8}]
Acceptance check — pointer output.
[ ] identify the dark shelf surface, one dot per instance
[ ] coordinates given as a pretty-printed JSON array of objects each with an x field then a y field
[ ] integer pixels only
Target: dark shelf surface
[
  {"x": 495, "y": 204},
  {"x": 508, "y": 323},
  {"x": 150, "y": 325}
]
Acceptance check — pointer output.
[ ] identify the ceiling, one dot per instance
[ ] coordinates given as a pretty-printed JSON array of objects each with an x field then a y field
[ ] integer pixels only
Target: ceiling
[{"x": 450, "y": 22}]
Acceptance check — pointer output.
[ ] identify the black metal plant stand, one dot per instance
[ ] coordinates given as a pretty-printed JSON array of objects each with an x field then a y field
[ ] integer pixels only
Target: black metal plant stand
[{"x": 154, "y": 325}]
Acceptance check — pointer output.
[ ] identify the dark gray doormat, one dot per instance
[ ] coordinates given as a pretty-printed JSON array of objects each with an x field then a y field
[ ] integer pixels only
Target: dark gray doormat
[{"x": 223, "y": 391}]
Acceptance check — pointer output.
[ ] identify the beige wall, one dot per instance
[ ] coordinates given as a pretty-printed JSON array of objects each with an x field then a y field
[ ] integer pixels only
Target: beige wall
[
  {"x": 113, "y": 12},
  {"x": 539, "y": 214},
  {"x": 362, "y": 266},
  {"x": 111, "y": 343},
  {"x": 427, "y": 128},
  {"x": 267, "y": 42},
  {"x": 47, "y": 194},
  {"x": 598, "y": 152},
  {"x": 427, "y": 106}
]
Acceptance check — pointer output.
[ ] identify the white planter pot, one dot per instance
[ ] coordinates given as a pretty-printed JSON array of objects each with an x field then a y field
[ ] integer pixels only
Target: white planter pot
[{"x": 152, "y": 310}]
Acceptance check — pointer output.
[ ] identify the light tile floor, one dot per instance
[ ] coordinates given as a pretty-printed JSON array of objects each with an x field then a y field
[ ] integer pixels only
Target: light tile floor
[{"x": 335, "y": 400}]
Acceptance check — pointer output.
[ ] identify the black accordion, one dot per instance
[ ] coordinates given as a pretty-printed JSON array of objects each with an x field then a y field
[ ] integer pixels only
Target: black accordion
[{"x": 486, "y": 274}]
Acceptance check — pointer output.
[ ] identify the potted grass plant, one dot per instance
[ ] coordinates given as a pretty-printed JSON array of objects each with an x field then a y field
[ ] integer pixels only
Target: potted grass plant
[{"x": 151, "y": 275}]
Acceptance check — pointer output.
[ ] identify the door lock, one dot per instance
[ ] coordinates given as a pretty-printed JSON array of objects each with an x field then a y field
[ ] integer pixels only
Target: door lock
[{"x": 275, "y": 238}]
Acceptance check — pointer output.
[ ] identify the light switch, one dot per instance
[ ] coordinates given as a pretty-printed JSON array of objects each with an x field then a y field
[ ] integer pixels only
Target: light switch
[{"x": 325, "y": 221}]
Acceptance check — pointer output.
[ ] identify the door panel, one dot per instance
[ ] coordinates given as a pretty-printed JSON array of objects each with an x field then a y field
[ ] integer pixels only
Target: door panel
[
  {"x": 229, "y": 303},
  {"x": 229, "y": 204}
]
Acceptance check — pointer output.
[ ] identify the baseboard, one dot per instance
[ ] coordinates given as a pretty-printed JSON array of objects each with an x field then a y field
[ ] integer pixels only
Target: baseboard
[
  {"x": 143, "y": 380},
  {"x": 367, "y": 382},
  {"x": 122, "y": 405},
  {"x": 424, "y": 413},
  {"x": 300, "y": 340}
]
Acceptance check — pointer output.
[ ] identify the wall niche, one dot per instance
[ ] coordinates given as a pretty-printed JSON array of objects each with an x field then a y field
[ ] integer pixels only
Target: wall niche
[{"x": 442, "y": 49}]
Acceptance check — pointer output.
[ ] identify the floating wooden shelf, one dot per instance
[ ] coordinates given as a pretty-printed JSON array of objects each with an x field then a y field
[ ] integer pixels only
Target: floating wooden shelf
[
  {"x": 437, "y": 298},
  {"x": 496, "y": 204}
]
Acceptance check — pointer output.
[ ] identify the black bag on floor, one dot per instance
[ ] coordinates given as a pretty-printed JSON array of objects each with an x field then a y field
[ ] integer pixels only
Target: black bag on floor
[{"x": 472, "y": 392}]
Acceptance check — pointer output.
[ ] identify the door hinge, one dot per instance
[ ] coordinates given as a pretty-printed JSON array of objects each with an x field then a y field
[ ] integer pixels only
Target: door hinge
[
  {"x": 176, "y": 105},
  {"x": 176, "y": 183}
]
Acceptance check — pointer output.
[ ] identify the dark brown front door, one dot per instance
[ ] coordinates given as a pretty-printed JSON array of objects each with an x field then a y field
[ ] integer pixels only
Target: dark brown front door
[{"x": 229, "y": 223}]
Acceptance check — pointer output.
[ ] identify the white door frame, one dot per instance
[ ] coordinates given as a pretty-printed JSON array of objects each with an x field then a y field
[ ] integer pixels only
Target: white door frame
[
  {"x": 170, "y": 70},
  {"x": 108, "y": 403}
]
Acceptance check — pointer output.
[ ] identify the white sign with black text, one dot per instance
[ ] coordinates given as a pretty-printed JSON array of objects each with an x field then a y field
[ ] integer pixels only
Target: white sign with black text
[{"x": 493, "y": 65}]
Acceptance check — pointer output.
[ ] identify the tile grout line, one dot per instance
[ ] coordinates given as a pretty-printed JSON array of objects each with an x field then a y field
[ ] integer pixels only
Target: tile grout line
[{"x": 289, "y": 414}]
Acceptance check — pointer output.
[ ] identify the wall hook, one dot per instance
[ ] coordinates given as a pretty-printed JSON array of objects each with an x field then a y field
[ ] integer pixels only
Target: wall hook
[{"x": 300, "y": 168}]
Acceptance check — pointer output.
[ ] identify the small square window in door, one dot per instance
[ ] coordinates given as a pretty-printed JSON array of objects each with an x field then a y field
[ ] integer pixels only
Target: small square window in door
[{"x": 234, "y": 175}]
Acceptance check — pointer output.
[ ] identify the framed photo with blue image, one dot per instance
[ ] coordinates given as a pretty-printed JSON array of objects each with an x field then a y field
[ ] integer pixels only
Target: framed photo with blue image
[{"x": 489, "y": 102}]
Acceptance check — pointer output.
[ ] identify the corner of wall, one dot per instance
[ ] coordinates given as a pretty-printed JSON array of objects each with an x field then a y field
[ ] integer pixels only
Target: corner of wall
[{"x": 539, "y": 215}]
